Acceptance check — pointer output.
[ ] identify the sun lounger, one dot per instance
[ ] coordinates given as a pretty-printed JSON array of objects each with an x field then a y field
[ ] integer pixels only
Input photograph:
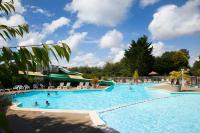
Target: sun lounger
[
  {"x": 42, "y": 86},
  {"x": 127, "y": 81},
  {"x": 68, "y": 85},
  {"x": 51, "y": 86},
  {"x": 26, "y": 87},
  {"x": 7, "y": 90},
  {"x": 21, "y": 87},
  {"x": 80, "y": 86},
  {"x": 60, "y": 86},
  {"x": 2, "y": 90},
  {"x": 87, "y": 85},
  {"x": 15, "y": 88},
  {"x": 35, "y": 86}
]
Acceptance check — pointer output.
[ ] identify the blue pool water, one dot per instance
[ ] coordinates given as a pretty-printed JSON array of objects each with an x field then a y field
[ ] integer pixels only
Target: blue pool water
[
  {"x": 167, "y": 113},
  {"x": 88, "y": 99}
]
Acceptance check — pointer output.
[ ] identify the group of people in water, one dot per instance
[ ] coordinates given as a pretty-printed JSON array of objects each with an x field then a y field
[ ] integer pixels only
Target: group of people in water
[{"x": 47, "y": 102}]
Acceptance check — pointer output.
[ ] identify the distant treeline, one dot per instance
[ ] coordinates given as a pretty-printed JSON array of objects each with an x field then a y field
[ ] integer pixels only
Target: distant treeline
[{"x": 139, "y": 57}]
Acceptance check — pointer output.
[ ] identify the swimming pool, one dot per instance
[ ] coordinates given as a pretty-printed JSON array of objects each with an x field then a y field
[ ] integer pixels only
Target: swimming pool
[
  {"x": 87, "y": 99},
  {"x": 169, "y": 115},
  {"x": 161, "y": 112}
]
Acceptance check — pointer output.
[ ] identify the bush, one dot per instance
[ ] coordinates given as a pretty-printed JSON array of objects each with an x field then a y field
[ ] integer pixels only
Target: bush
[{"x": 5, "y": 101}]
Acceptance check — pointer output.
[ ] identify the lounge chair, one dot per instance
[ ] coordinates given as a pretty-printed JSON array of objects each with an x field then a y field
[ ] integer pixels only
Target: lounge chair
[
  {"x": 80, "y": 86},
  {"x": 42, "y": 86},
  {"x": 87, "y": 85},
  {"x": 68, "y": 85},
  {"x": 60, "y": 86},
  {"x": 51, "y": 86},
  {"x": 2, "y": 90},
  {"x": 127, "y": 81},
  {"x": 7, "y": 90},
  {"x": 35, "y": 86},
  {"x": 26, "y": 87},
  {"x": 21, "y": 87},
  {"x": 15, "y": 88}
]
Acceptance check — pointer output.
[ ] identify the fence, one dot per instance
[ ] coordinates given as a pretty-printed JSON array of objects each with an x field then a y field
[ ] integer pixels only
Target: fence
[{"x": 194, "y": 79}]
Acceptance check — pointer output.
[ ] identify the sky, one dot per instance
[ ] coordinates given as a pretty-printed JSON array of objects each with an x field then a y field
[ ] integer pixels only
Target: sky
[{"x": 98, "y": 31}]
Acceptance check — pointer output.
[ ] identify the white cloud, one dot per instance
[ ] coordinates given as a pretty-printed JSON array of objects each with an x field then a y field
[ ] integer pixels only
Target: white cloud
[
  {"x": 18, "y": 6},
  {"x": 36, "y": 9},
  {"x": 86, "y": 59},
  {"x": 99, "y": 12},
  {"x": 49, "y": 42},
  {"x": 32, "y": 38},
  {"x": 172, "y": 21},
  {"x": 75, "y": 39},
  {"x": 114, "y": 40},
  {"x": 42, "y": 11},
  {"x": 111, "y": 39},
  {"x": 145, "y": 3},
  {"x": 55, "y": 24},
  {"x": 118, "y": 56},
  {"x": 3, "y": 43},
  {"x": 158, "y": 48},
  {"x": 13, "y": 20}
]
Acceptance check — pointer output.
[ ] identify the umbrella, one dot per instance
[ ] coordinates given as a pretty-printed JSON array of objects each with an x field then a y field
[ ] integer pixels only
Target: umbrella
[{"x": 153, "y": 73}]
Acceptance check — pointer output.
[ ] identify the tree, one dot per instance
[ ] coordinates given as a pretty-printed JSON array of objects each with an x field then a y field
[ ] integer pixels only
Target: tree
[
  {"x": 196, "y": 67},
  {"x": 170, "y": 61},
  {"x": 186, "y": 52},
  {"x": 139, "y": 56},
  {"x": 135, "y": 75},
  {"x": 7, "y": 32}
]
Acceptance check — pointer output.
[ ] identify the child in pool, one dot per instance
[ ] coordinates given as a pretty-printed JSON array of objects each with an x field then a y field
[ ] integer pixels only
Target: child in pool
[
  {"x": 36, "y": 103},
  {"x": 47, "y": 103}
]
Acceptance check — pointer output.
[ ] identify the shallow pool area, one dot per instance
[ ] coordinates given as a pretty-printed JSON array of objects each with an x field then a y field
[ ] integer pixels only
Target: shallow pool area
[{"x": 88, "y": 99}]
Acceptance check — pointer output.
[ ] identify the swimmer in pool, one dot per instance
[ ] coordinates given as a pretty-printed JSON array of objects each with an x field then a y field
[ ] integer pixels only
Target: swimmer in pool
[
  {"x": 48, "y": 94},
  {"x": 47, "y": 103},
  {"x": 36, "y": 103}
]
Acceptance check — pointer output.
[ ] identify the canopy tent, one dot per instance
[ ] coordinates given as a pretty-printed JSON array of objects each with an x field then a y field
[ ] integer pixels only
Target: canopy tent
[
  {"x": 30, "y": 73},
  {"x": 69, "y": 72},
  {"x": 66, "y": 77},
  {"x": 153, "y": 73}
]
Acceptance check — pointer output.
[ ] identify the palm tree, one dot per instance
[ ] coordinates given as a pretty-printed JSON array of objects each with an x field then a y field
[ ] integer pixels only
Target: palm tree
[
  {"x": 7, "y": 32},
  {"x": 13, "y": 59}
]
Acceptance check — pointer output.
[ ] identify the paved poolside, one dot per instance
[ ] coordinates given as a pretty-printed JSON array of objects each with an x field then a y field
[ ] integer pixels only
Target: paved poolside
[
  {"x": 171, "y": 88},
  {"x": 22, "y": 91},
  {"x": 47, "y": 122}
]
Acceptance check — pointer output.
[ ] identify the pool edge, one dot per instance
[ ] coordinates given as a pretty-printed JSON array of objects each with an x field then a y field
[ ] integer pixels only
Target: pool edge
[{"x": 94, "y": 116}]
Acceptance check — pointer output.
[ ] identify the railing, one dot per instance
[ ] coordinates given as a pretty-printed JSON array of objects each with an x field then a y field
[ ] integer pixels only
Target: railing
[{"x": 195, "y": 80}]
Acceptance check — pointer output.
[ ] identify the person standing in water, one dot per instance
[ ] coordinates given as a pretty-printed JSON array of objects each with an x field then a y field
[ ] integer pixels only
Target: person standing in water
[
  {"x": 36, "y": 103},
  {"x": 47, "y": 103}
]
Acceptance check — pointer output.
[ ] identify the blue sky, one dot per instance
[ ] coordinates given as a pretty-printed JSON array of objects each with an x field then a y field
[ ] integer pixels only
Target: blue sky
[{"x": 99, "y": 31}]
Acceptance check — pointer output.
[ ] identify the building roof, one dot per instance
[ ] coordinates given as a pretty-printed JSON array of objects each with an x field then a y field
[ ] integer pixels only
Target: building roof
[{"x": 30, "y": 73}]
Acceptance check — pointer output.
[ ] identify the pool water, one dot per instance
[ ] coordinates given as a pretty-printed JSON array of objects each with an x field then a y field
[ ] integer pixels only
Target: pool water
[
  {"x": 88, "y": 99},
  {"x": 161, "y": 113},
  {"x": 179, "y": 114}
]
